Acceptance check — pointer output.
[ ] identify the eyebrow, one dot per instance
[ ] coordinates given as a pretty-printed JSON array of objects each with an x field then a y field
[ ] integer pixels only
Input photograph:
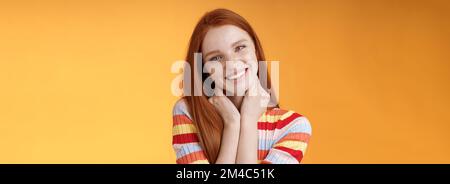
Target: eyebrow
[
  {"x": 232, "y": 45},
  {"x": 237, "y": 42}
]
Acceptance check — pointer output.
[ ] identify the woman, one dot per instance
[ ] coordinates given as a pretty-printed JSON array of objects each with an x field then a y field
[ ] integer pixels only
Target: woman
[{"x": 240, "y": 128}]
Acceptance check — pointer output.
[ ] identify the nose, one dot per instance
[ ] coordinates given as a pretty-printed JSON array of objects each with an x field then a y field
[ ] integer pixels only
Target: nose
[
  {"x": 234, "y": 57},
  {"x": 234, "y": 67},
  {"x": 235, "y": 63}
]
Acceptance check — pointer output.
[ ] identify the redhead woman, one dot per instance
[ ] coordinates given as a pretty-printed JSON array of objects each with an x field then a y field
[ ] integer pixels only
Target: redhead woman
[{"x": 246, "y": 127}]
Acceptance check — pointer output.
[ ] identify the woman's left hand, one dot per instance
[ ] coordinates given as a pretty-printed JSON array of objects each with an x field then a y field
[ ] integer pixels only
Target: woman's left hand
[
  {"x": 253, "y": 106},
  {"x": 255, "y": 103}
]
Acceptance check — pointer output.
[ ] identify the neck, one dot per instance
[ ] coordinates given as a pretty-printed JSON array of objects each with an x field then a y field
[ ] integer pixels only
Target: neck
[{"x": 237, "y": 101}]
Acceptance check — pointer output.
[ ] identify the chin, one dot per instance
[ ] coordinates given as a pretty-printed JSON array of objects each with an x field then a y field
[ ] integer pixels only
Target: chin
[{"x": 242, "y": 90}]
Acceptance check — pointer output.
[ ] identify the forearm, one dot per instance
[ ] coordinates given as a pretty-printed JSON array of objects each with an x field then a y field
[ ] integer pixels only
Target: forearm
[
  {"x": 248, "y": 143},
  {"x": 229, "y": 144}
]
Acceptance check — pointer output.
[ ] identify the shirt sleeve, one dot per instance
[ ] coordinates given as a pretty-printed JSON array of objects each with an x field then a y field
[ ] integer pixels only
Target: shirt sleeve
[
  {"x": 290, "y": 146},
  {"x": 185, "y": 139}
]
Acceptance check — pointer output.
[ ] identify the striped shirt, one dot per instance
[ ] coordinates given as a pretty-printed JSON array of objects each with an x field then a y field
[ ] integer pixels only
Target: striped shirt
[{"x": 282, "y": 137}]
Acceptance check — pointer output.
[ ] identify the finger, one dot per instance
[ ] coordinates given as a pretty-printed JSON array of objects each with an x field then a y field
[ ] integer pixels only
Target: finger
[
  {"x": 218, "y": 91},
  {"x": 211, "y": 100}
]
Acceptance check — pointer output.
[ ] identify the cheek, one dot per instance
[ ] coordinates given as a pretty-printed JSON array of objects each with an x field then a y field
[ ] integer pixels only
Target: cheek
[
  {"x": 215, "y": 70},
  {"x": 253, "y": 62},
  {"x": 250, "y": 58}
]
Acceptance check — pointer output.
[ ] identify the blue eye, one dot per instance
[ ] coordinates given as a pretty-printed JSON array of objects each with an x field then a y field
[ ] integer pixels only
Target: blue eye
[
  {"x": 240, "y": 47},
  {"x": 216, "y": 58}
]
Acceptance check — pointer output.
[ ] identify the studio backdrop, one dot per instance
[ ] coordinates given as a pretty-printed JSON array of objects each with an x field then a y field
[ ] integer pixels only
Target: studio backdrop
[{"x": 89, "y": 81}]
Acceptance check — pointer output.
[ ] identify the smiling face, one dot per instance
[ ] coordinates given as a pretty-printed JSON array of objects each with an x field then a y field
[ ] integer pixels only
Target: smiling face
[{"x": 234, "y": 49}]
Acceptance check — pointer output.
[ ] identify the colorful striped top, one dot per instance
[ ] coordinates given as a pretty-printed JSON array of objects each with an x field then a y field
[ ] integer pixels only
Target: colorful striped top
[{"x": 283, "y": 137}]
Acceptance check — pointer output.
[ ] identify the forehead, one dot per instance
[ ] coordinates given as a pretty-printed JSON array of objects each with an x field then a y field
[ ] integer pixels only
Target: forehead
[{"x": 222, "y": 37}]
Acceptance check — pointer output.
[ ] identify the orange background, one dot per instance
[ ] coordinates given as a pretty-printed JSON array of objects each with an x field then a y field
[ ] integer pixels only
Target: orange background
[{"x": 89, "y": 81}]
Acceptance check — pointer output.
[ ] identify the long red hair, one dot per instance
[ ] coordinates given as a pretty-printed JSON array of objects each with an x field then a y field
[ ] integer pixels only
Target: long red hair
[{"x": 206, "y": 118}]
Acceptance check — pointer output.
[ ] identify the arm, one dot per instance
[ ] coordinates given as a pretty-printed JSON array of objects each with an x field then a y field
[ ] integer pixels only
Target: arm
[
  {"x": 291, "y": 145},
  {"x": 228, "y": 146},
  {"x": 230, "y": 134},
  {"x": 253, "y": 106},
  {"x": 248, "y": 142},
  {"x": 185, "y": 141}
]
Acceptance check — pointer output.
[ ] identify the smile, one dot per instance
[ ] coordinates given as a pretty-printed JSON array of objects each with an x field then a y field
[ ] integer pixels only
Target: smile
[{"x": 238, "y": 75}]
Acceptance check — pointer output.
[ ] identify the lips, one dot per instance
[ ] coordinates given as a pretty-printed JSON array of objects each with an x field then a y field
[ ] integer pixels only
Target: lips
[{"x": 237, "y": 75}]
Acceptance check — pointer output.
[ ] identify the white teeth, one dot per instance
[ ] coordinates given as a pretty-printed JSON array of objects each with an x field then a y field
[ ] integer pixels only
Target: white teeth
[{"x": 236, "y": 76}]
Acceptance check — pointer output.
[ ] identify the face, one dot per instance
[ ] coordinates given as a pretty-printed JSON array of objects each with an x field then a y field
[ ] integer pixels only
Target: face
[{"x": 230, "y": 58}]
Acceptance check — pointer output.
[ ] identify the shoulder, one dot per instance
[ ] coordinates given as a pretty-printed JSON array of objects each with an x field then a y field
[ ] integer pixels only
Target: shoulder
[
  {"x": 181, "y": 108},
  {"x": 183, "y": 128},
  {"x": 287, "y": 119}
]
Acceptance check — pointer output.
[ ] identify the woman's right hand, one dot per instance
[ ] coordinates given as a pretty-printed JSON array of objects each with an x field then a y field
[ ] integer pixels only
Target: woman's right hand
[{"x": 225, "y": 107}]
